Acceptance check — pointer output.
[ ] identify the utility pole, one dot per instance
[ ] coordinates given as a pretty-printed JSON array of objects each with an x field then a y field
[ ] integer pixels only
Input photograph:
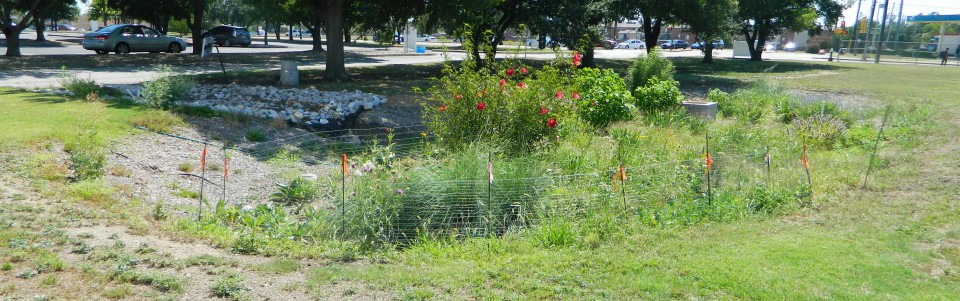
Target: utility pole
[
  {"x": 883, "y": 26},
  {"x": 856, "y": 25},
  {"x": 869, "y": 30},
  {"x": 899, "y": 21}
]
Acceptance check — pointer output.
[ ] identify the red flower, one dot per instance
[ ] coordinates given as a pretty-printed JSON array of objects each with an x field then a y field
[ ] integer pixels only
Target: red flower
[
  {"x": 509, "y": 72},
  {"x": 552, "y": 123},
  {"x": 543, "y": 111},
  {"x": 523, "y": 70},
  {"x": 522, "y": 85},
  {"x": 576, "y": 58},
  {"x": 594, "y": 103},
  {"x": 481, "y": 105},
  {"x": 443, "y": 108},
  {"x": 503, "y": 82},
  {"x": 559, "y": 95},
  {"x": 485, "y": 91},
  {"x": 576, "y": 95},
  {"x": 458, "y": 97}
]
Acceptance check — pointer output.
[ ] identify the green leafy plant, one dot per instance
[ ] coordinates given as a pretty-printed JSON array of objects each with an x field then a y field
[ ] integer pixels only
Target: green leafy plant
[
  {"x": 230, "y": 286},
  {"x": 658, "y": 94},
  {"x": 297, "y": 192},
  {"x": 601, "y": 97},
  {"x": 648, "y": 67},
  {"x": 256, "y": 136},
  {"x": 166, "y": 88},
  {"x": 87, "y": 158}
]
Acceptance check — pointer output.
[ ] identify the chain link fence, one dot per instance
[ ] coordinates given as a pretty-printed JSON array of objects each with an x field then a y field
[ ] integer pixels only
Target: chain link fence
[{"x": 891, "y": 51}]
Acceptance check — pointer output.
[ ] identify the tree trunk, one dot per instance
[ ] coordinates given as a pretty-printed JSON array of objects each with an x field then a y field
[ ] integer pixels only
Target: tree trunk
[
  {"x": 13, "y": 41},
  {"x": 315, "y": 29},
  {"x": 38, "y": 24},
  {"x": 266, "y": 31},
  {"x": 197, "y": 24},
  {"x": 336, "y": 66},
  {"x": 587, "y": 61},
  {"x": 651, "y": 32},
  {"x": 707, "y": 52},
  {"x": 346, "y": 34}
]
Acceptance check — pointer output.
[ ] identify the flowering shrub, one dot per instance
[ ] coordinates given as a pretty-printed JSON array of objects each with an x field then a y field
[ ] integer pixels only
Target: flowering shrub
[
  {"x": 602, "y": 97},
  {"x": 658, "y": 94},
  {"x": 516, "y": 107}
]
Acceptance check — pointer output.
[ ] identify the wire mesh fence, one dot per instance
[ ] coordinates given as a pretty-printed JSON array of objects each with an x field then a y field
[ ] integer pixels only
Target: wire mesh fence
[
  {"x": 483, "y": 195},
  {"x": 893, "y": 51}
]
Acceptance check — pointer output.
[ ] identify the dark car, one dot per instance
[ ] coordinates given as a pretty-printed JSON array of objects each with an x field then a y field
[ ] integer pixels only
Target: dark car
[
  {"x": 126, "y": 38},
  {"x": 226, "y": 35},
  {"x": 675, "y": 44}
]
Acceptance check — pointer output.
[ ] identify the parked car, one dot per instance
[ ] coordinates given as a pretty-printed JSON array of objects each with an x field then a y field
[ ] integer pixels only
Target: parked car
[
  {"x": 675, "y": 44},
  {"x": 66, "y": 27},
  {"x": 631, "y": 44},
  {"x": 770, "y": 46},
  {"x": 717, "y": 45},
  {"x": 427, "y": 38},
  {"x": 791, "y": 47},
  {"x": 298, "y": 33},
  {"x": 126, "y": 38},
  {"x": 226, "y": 35}
]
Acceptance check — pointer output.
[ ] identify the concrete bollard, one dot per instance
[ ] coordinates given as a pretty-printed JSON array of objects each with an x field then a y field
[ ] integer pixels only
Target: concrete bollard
[
  {"x": 289, "y": 76},
  {"x": 703, "y": 110}
]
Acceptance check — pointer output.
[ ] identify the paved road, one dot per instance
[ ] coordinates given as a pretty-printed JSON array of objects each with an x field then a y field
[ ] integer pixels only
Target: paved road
[{"x": 43, "y": 78}]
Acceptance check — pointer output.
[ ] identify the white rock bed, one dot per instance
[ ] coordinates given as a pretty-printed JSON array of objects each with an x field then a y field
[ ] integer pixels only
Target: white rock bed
[{"x": 309, "y": 107}]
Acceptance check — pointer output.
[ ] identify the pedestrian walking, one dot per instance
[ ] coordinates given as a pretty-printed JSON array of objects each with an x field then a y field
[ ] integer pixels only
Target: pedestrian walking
[{"x": 943, "y": 57}]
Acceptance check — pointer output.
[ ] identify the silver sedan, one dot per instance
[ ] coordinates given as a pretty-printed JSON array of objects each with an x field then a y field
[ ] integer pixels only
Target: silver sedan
[{"x": 126, "y": 38}]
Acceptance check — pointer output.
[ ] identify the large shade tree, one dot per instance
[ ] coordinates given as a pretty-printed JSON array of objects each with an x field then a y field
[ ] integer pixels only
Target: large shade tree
[
  {"x": 710, "y": 20},
  {"x": 653, "y": 14},
  {"x": 760, "y": 19},
  {"x": 26, "y": 10},
  {"x": 575, "y": 24}
]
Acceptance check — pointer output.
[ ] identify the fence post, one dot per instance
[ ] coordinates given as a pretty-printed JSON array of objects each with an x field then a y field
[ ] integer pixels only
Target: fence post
[
  {"x": 203, "y": 159},
  {"x": 709, "y": 160},
  {"x": 343, "y": 197},
  {"x": 876, "y": 144},
  {"x": 489, "y": 192},
  {"x": 223, "y": 198}
]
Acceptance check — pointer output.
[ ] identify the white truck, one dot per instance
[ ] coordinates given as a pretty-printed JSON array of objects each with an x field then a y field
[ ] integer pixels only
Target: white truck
[{"x": 951, "y": 41}]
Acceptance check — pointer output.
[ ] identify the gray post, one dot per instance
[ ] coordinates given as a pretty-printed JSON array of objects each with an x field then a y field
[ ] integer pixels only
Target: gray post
[
  {"x": 869, "y": 29},
  {"x": 883, "y": 26}
]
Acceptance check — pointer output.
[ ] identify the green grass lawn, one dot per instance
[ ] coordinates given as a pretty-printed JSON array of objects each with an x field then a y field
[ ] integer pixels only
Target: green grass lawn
[{"x": 27, "y": 117}]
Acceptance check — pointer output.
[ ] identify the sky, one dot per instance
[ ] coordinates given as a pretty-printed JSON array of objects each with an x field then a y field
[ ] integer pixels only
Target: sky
[{"x": 910, "y": 8}]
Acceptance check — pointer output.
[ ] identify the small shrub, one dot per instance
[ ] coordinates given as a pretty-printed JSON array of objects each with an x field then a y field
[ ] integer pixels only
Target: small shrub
[
  {"x": 256, "y": 136},
  {"x": 49, "y": 280},
  {"x": 159, "y": 213},
  {"x": 91, "y": 191},
  {"x": 166, "y": 88},
  {"x": 87, "y": 158},
  {"x": 825, "y": 131},
  {"x": 658, "y": 95},
  {"x": 81, "y": 88},
  {"x": 647, "y": 67},
  {"x": 862, "y": 136},
  {"x": 187, "y": 194},
  {"x": 6, "y": 266},
  {"x": 228, "y": 287},
  {"x": 762, "y": 199},
  {"x": 791, "y": 109},
  {"x": 603, "y": 97},
  {"x": 186, "y": 167}
]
